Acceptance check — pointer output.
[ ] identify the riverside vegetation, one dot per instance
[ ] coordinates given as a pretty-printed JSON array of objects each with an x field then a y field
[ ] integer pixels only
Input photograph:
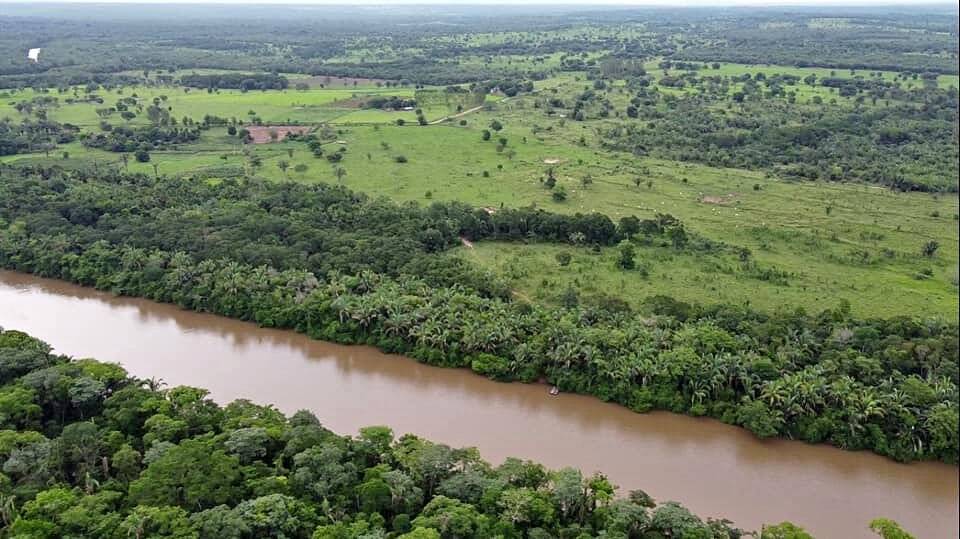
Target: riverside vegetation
[
  {"x": 670, "y": 210},
  {"x": 282, "y": 255},
  {"x": 101, "y": 454}
]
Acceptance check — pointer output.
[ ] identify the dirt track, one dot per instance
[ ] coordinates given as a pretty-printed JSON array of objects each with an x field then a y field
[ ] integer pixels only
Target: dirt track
[{"x": 457, "y": 115}]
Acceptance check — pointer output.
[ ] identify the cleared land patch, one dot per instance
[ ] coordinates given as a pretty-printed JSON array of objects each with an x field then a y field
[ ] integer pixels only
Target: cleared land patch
[{"x": 264, "y": 134}]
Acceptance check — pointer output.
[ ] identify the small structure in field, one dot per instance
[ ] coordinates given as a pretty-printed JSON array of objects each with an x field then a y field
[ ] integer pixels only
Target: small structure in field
[
  {"x": 265, "y": 134},
  {"x": 33, "y": 55}
]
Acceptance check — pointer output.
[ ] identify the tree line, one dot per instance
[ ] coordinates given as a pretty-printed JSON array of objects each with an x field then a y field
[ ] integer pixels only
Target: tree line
[
  {"x": 87, "y": 450},
  {"x": 339, "y": 267},
  {"x": 236, "y": 81},
  {"x": 132, "y": 139},
  {"x": 29, "y": 135}
]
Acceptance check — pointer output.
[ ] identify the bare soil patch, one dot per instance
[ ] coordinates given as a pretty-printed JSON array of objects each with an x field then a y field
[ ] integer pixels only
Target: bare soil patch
[
  {"x": 721, "y": 200},
  {"x": 261, "y": 134}
]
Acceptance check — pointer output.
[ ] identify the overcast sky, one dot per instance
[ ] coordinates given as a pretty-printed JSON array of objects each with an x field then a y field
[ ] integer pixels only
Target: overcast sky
[{"x": 674, "y": 3}]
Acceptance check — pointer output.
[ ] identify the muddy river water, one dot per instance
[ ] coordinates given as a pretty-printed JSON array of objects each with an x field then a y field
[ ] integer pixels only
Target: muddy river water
[{"x": 712, "y": 468}]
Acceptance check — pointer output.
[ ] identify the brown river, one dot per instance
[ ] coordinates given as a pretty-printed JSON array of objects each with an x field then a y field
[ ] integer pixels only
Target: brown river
[{"x": 712, "y": 468}]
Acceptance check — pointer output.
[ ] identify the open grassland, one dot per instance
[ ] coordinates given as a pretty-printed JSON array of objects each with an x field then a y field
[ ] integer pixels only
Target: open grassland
[
  {"x": 271, "y": 106},
  {"x": 822, "y": 242},
  {"x": 834, "y": 241}
]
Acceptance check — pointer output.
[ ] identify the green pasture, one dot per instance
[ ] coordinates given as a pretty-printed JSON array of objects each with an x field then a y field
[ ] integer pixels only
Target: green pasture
[
  {"x": 272, "y": 106},
  {"x": 833, "y": 241},
  {"x": 820, "y": 233}
]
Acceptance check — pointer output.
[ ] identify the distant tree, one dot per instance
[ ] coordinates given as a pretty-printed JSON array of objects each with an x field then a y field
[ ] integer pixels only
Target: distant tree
[
  {"x": 551, "y": 180},
  {"x": 627, "y": 255},
  {"x": 496, "y": 125},
  {"x": 570, "y": 299},
  {"x": 888, "y": 529},
  {"x": 283, "y": 165},
  {"x": 930, "y": 248},
  {"x": 784, "y": 530},
  {"x": 485, "y": 135},
  {"x": 339, "y": 172},
  {"x": 628, "y": 226}
]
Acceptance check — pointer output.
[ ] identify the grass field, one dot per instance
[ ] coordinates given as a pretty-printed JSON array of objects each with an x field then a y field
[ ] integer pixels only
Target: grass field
[
  {"x": 830, "y": 241},
  {"x": 285, "y": 106}
]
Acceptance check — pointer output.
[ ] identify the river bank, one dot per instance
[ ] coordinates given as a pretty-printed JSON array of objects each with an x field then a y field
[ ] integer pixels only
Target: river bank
[{"x": 714, "y": 469}]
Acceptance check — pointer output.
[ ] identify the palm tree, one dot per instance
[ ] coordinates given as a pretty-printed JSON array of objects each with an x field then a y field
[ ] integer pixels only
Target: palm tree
[{"x": 153, "y": 384}]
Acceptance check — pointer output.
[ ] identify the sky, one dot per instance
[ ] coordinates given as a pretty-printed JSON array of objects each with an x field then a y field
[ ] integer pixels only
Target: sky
[{"x": 672, "y": 3}]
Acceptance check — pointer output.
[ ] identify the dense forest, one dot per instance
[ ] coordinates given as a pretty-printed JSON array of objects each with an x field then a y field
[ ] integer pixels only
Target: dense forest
[
  {"x": 338, "y": 266},
  {"x": 746, "y": 215},
  {"x": 88, "y": 451},
  {"x": 744, "y": 122},
  {"x": 89, "y": 45}
]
